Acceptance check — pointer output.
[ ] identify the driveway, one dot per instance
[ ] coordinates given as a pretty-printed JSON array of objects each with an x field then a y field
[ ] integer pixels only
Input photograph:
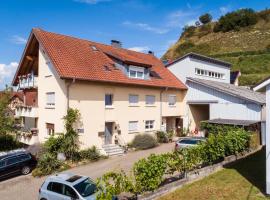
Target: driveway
[{"x": 26, "y": 187}]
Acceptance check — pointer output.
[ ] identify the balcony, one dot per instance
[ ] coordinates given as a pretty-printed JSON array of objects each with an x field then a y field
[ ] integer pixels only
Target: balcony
[
  {"x": 28, "y": 81},
  {"x": 26, "y": 111}
]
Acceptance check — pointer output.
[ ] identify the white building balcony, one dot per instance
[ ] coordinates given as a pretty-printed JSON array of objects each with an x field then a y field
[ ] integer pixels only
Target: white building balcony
[
  {"x": 26, "y": 111},
  {"x": 28, "y": 81}
]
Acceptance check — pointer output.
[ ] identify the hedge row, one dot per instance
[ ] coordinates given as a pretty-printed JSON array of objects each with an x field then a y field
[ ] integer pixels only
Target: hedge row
[{"x": 149, "y": 173}]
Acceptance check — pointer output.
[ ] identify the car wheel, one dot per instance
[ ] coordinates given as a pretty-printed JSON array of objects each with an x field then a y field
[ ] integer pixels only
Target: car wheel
[{"x": 26, "y": 170}]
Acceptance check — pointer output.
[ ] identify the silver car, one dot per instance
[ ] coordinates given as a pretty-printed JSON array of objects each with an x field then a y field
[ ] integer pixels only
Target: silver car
[
  {"x": 188, "y": 142},
  {"x": 67, "y": 186}
]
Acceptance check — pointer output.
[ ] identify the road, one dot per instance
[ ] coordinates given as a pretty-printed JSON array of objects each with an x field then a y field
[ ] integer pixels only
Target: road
[{"x": 26, "y": 187}]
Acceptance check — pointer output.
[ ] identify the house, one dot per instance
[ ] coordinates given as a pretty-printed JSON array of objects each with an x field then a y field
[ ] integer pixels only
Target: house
[
  {"x": 264, "y": 87},
  {"x": 210, "y": 92},
  {"x": 118, "y": 92}
]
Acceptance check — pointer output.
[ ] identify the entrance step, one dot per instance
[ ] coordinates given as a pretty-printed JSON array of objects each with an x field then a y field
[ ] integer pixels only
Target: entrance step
[{"x": 113, "y": 149}]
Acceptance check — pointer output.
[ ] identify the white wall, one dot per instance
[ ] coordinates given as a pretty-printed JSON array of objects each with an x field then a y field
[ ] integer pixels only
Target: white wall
[{"x": 186, "y": 68}]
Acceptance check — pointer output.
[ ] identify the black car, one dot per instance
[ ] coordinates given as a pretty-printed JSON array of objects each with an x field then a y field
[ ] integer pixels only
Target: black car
[{"x": 16, "y": 163}]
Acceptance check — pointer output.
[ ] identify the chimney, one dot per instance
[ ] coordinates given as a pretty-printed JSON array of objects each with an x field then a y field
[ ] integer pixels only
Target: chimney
[
  {"x": 151, "y": 52},
  {"x": 116, "y": 43}
]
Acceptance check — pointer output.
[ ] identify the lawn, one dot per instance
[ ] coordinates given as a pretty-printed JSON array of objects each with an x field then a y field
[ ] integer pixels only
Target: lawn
[{"x": 244, "y": 179}]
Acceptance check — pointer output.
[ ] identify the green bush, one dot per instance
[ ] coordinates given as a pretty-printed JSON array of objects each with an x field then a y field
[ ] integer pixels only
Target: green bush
[
  {"x": 162, "y": 137},
  {"x": 144, "y": 141},
  {"x": 8, "y": 142},
  {"x": 149, "y": 172},
  {"x": 236, "y": 19},
  {"x": 90, "y": 154},
  {"x": 54, "y": 145},
  {"x": 188, "y": 31},
  {"x": 205, "y": 18},
  {"x": 47, "y": 164}
]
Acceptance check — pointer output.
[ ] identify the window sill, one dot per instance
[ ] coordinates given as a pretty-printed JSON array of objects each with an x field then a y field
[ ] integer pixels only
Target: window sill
[
  {"x": 109, "y": 107},
  {"x": 150, "y": 130},
  {"x": 150, "y": 106},
  {"x": 48, "y": 107},
  {"x": 133, "y": 105},
  {"x": 172, "y": 106},
  {"x": 133, "y": 132}
]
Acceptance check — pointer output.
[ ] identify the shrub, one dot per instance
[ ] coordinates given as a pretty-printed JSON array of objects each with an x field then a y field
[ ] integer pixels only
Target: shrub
[
  {"x": 162, "y": 137},
  {"x": 54, "y": 145},
  {"x": 8, "y": 142},
  {"x": 189, "y": 30},
  {"x": 144, "y": 141},
  {"x": 236, "y": 19},
  {"x": 149, "y": 172},
  {"x": 214, "y": 148},
  {"x": 205, "y": 18},
  {"x": 90, "y": 154},
  {"x": 112, "y": 184},
  {"x": 47, "y": 164},
  {"x": 264, "y": 14}
]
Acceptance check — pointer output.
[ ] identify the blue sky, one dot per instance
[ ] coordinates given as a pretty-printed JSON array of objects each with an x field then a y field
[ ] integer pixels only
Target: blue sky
[{"x": 140, "y": 25}]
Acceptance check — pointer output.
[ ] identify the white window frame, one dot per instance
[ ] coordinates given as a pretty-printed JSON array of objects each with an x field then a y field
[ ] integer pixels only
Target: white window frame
[
  {"x": 50, "y": 102},
  {"x": 149, "y": 125},
  {"x": 134, "y": 127},
  {"x": 133, "y": 96},
  {"x": 136, "y": 70},
  {"x": 211, "y": 74},
  {"x": 151, "y": 103},
  {"x": 172, "y": 96},
  {"x": 109, "y": 106}
]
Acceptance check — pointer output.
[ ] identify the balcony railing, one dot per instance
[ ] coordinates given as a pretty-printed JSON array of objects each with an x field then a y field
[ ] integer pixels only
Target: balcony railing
[
  {"x": 28, "y": 81},
  {"x": 26, "y": 111}
]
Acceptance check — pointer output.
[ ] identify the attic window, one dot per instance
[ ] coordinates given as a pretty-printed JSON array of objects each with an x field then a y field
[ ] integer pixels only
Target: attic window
[
  {"x": 154, "y": 74},
  {"x": 106, "y": 68},
  {"x": 94, "y": 48}
]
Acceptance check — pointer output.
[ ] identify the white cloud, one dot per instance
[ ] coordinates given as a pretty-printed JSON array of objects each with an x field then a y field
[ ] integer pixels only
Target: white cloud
[
  {"x": 225, "y": 9},
  {"x": 140, "y": 48},
  {"x": 146, "y": 27},
  {"x": 91, "y": 1},
  {"x": 16, "y": 39},
  {"x": 6, "y": 72},
  {"x": 180, "y": 18}
]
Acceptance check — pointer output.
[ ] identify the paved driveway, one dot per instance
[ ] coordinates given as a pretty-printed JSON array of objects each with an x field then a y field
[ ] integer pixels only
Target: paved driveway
[{"x": 26, "y": 187}]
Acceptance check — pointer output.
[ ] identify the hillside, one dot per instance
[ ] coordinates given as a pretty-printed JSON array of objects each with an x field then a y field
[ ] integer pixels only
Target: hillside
[{"x": 248, "y": 48}]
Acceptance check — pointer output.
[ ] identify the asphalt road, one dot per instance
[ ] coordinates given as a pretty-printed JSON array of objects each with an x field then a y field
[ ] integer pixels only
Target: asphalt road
[{"x": 26, "y": 187}]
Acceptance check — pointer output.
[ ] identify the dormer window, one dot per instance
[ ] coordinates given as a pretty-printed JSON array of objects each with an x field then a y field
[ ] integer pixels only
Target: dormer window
[{"x": 136, "y": 72}]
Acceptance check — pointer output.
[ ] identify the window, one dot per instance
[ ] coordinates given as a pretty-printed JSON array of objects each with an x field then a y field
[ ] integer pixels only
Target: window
[
  {"x": 108, "y": 99},
  {"x": 149, "y": 124},
  {"x": 50, "y": 128},
  {"x": 68, "y": 191},
  {"x": 12, "y": 160},
  {"x": 55, "y": 187},
  {"x": 132, "y": 126},
  {"x": 50, "y": 99},
  {"x": 86, "y": 187},
  {"x": 24, "y": 157},
  {"x": 172, "y": 100},
  {"x": 2, "y": 163},
  {"x": 150, "y": 99},
  {"x": 136, "y": 72},
  {"x": 211, "y": 74},
  {"x": 133, "y": 99}
]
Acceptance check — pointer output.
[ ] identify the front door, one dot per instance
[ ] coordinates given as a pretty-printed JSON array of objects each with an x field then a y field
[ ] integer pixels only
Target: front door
[
  {"x": 178, "y": 126},
  {"x": 108, "y": 132}
]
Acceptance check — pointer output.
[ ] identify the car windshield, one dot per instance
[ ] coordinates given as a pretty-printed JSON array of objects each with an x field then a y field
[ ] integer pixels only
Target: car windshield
[
  {"x": 189, "y": 141},
  {"x": 86, "y": 187}
]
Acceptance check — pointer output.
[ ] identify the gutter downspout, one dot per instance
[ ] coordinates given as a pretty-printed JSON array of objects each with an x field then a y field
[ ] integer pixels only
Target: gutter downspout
[
  {"x": 160, "y": 98},
  {"x": 68, "y": 87}
]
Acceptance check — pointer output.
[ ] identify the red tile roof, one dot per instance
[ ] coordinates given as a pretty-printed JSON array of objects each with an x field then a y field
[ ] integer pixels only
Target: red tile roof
[{"x": 75, "y": 58}]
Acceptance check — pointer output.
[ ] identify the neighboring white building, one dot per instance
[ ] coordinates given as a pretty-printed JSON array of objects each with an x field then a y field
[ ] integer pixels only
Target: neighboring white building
[
  {"x": 264, "y": 87},
  {"x": 210, "y": 92}
]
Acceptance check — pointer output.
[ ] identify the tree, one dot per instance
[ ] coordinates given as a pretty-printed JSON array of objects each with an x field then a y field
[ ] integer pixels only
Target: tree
[
  {"x": 205, "y": 18},
  {"x": 6, "y": 120},
  {"x": 197, "y": 23}
]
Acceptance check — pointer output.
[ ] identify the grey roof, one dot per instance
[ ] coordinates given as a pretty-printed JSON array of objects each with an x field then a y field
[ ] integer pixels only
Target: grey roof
[
  {"x": 232, "y": 122},
  {"x": 237, "y": 91},
  {"x": 203, "y": 58}
]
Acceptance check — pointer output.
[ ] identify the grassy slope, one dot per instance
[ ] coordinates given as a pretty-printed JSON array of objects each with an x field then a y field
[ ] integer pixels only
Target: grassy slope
[
  {"x": 254, "y": 66},
  {"x": 243, "y": 180}
]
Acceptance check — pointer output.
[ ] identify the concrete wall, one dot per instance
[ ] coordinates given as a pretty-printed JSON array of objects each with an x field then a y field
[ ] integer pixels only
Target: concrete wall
[{"x": 186, "y": 68}]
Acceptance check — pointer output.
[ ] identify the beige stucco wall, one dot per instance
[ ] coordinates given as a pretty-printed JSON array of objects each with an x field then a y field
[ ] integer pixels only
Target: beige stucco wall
[
  {"x": 89, "y": 99},
  {"x": 49, "y": 81},
  {"x": 197, "y": 113}
]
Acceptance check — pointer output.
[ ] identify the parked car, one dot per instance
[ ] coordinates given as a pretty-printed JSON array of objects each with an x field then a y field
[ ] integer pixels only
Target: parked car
[
  {"x": 16, "y": 162},
  {"x": 67, "y": 186},
  {"x": 188, "y": 142}
]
